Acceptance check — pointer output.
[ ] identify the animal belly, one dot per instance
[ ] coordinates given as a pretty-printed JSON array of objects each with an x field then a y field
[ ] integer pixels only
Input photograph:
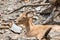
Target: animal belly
[{"x": 33, "y": 33}]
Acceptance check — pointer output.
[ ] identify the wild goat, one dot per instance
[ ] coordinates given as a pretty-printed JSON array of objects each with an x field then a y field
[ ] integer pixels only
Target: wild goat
[{"x": 39, "y": 31}]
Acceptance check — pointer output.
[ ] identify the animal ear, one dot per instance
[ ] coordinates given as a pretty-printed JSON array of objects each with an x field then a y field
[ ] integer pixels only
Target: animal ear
[
  {"x": 24, "y": 14},
  {"x": 21, "y": 16}
]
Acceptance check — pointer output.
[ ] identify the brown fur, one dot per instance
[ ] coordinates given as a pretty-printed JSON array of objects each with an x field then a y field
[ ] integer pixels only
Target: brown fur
[
  {"x": 32, "y": 30},
  {"x": 35, "y": 30}
]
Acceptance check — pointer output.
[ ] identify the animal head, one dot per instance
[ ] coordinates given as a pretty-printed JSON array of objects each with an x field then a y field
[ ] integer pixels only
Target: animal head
[
  {"x": 24, "y": 18},
  {"x": 21, "y": 19}
]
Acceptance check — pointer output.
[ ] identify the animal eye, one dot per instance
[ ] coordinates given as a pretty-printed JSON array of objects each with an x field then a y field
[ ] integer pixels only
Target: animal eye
[{"x": 19, "y": 21}]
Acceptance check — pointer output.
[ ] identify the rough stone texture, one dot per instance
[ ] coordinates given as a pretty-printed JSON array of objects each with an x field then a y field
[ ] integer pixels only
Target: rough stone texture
[{"x": 7, "y": 6}]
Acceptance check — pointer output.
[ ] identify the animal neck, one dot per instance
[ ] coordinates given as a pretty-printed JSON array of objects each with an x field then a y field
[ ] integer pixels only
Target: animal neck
[
  {"x": 28, "y": 24},
  {"x": 27, "y": 27},
  {"x": 31, "y": 24}
]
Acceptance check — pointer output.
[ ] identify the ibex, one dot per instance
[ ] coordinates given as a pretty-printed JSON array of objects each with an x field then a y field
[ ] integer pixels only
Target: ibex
[{"x": 32, "y": 30}]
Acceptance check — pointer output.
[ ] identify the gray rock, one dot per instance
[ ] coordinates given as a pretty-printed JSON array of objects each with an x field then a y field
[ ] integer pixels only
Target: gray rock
[
  {"x": 16, "y": 28},
  {"x": 57, "y": 19},
  {"x": 1, "y": 31}
]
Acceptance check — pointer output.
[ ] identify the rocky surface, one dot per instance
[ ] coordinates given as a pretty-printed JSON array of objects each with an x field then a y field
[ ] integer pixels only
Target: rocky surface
[{"x": 41, "y": 13}]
